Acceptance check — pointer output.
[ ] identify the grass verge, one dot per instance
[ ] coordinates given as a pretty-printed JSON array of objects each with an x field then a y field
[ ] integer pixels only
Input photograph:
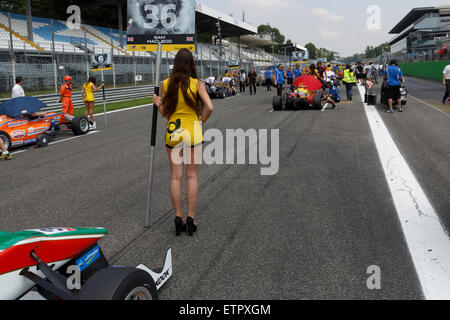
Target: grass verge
[{"x": 114, "y": 106}]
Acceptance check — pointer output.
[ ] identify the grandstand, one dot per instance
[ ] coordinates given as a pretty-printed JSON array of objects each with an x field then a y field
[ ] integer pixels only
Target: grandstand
[{"x": 44, "y": 70}]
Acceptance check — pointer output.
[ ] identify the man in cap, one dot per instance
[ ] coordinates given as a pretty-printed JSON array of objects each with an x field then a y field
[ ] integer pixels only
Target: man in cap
[{"x": 66, "y": 96}]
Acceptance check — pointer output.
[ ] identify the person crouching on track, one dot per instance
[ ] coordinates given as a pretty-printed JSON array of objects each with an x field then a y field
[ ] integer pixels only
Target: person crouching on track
[
  {"x": 5, "y": 155},
  {"x": 87, "y": 93},
  {"x": 332, "y": 97},
  {"x": 66, "y": 96},
  {"x": 183, "y": 96}
]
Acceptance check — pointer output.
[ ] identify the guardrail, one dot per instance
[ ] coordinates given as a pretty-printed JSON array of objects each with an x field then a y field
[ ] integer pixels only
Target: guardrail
[{"x": 112, "y": 95}]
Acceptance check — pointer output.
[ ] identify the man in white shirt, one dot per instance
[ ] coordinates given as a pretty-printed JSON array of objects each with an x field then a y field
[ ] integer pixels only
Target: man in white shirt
[
  {"x": 446, "y": 83},
  {"x": 17, "y": 90}
]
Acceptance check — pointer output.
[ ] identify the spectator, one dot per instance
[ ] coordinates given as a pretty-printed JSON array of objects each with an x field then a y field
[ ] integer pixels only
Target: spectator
[
  {"x": 5, "y": 155},
  {"x": 268, "y": 75},
  {"x": 17, "y": 90},
  {"x": 252, "y": 77},
  {"x": 446, "y": 83},
  {"x": 394, "y": 75},
  {"x": 242, "y": 81}
]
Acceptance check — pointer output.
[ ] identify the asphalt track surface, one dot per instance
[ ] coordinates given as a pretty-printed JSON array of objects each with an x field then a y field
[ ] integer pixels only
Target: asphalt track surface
[{"x": 309, "y": 232}]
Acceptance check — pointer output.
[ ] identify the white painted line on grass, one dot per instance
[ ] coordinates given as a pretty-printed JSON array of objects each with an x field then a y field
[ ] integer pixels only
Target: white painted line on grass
[
  {"x": 428, "y": 242},
  {"x": 124, "y": 109}
]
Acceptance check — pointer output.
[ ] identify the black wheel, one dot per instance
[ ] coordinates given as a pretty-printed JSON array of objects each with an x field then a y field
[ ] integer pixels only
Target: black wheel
[
  {"x": 277, "y": 103},
  {"x": 42, "y": 141},
  {"x": 317, "y": 101},
  {"x": 80, "y": 126},
  {"x": 119, "y": 283},
  {"x": 6, "y": 139}
]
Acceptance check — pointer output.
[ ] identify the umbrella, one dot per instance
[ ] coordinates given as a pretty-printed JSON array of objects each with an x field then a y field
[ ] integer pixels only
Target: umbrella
[
  {"x": 309, "y": 81},
  {"x": 17, "y": 106}
]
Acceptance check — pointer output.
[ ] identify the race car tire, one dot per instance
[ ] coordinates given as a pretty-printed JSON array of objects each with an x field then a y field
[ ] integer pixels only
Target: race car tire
[
  {"x": 119, "y": 283},
  {"x": 277, "y": 103},
  {"x": 317, "y": 100},
  {"x": 6, "y": 139},
  {"x": 80, "y": 126},
  {"x": 42, "y": 141}
]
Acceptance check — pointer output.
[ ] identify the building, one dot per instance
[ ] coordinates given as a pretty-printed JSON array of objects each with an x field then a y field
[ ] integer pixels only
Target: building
[{"x": 423, "y": 31}]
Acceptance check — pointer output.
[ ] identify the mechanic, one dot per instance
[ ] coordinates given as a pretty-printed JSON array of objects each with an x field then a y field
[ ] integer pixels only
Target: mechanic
[
  {"x": 268, "y": 75},
  {"x": 279, "y": 79},
  {"x": 252, "y": 77},
  {"x": 321, "y": 70},
  {"x": 17, "y": 90},
  {"x": 394, "y": 75},
  {"x": 5, "y": 154},
  {"x": 331, "y": 76},
  {"x": 290, "y": 76},
  {"x": 333, "y": 96},
  {"x": 360, "y": 75},
  {"x": 182, "y": 98},
  {"x": 87, "y": 92},
  {"x": 297, "y": 72},
  {"x": 66, "y": 96},
  {"x": 210, "y": 82},
  {"x": 349, "y": 80}
]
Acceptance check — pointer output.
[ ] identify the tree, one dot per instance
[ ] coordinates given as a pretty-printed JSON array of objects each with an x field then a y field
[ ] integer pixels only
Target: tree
[{"x": 312, "y": 50}]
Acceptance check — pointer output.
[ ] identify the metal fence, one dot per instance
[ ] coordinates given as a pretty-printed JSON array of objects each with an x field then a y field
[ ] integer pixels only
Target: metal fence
[{"x": 44, "y": 73}]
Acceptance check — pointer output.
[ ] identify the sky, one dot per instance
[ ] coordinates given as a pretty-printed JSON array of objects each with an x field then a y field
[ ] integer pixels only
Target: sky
[{"x": 345, "y": 26}]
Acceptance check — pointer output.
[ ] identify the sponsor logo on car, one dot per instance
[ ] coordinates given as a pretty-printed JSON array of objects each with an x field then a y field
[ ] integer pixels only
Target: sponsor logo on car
[
  {"x": 30, "y": 141},
  {"x": 17, "y": 143},
  {"x": 86, "y": 260},
  {"x": 18, "y": 134},
  {"x": 17, "y": 124},
  {"x": 34, "y": 131},
  {"x": 163, "y": 277}
]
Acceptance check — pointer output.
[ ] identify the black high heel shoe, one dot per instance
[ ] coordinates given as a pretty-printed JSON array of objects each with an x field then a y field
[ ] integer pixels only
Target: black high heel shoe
[
  {"x": 179, "y": 226},
  {"x": 191, "y": 226}
]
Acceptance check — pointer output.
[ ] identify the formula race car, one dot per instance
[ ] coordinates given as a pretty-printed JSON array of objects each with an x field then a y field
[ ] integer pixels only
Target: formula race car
[
  {"x": 68, "y": 264},
  {"x": 22, "y": 123},
  {"x": 305, "y": 92},
  {"x": 403, "y": 94}
]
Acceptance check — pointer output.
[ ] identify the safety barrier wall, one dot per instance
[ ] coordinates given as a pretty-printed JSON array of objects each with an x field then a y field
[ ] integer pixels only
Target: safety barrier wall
[{"x": 430, "y": 70}]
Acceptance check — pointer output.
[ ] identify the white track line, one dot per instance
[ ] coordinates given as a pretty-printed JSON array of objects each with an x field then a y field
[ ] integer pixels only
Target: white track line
[
  {"x": 55, "y": 142},
  {"x": 431, "y": 106},
  {"x": 428, "y": 242}
]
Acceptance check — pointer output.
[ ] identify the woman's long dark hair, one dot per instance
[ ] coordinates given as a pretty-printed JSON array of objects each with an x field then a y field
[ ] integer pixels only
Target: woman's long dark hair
[
  {"x": 183, "y": 69},
  {"x": 93, "y": 80}
]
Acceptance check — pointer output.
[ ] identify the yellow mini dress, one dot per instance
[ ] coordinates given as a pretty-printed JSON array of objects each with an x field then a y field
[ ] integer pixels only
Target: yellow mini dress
[
  {"x": 184, "y": 127},
  {"x": 88, "y": 92}
]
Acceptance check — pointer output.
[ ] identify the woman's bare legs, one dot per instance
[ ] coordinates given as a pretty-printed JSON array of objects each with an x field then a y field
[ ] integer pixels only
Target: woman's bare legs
[
  {"x": 176, "y": 179},
  {"x": 91, "y": 111},
  {"x": 192, "y": 169}
]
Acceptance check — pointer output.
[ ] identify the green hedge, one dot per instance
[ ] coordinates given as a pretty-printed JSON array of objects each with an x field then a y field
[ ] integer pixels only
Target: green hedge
[{"x": 430, "y": 70}]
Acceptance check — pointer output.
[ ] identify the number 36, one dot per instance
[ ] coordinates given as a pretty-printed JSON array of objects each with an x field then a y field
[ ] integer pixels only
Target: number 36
[{"x": 167, "y": 16}]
